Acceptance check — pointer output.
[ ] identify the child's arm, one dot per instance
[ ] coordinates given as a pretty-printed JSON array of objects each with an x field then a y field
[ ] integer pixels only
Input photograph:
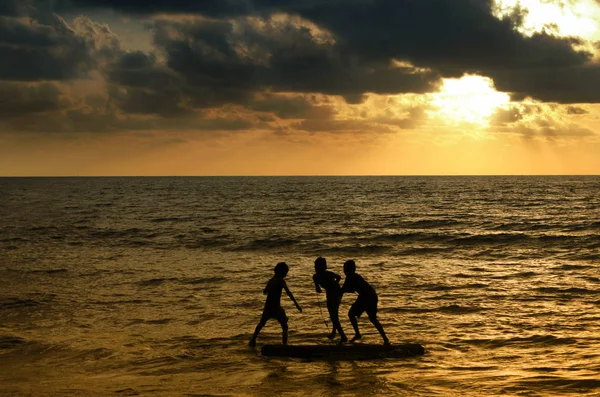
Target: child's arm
[
  {"x": 337, "y": 278},
  {"x": 287, "y": 290},
  {"x": 316, "y": 284}
]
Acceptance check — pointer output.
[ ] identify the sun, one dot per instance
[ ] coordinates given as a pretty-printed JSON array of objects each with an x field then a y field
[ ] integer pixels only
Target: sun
[{"x": 471, "y": 99}]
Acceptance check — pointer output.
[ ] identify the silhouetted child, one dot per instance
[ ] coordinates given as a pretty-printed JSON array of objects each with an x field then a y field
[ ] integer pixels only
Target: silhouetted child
[
  {"x": 366, "y": 301},
  {"x": 273, "y": 307},
  {"x": 331, "y": 283}
]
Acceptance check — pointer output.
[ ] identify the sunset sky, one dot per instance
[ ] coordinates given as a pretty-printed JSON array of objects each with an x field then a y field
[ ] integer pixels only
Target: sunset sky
[{"x": 299, "y": 87}]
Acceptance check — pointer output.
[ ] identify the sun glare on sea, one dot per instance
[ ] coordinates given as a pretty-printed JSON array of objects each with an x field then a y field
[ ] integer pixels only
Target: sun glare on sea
[{"x": 471, "y": 99}]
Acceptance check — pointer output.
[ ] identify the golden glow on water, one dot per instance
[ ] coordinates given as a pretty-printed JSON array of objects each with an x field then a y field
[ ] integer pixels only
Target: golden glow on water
[{"x": 153, "y": 286}]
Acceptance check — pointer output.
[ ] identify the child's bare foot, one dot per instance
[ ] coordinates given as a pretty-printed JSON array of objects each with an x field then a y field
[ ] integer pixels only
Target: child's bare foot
[
  {"x": 252, "y": 343},
  {"x": 331, "y": 335},
  {"x": 343, "y": 340},
  {"x": 386, "y": 342},
  {"x": 355, "y": 338}
]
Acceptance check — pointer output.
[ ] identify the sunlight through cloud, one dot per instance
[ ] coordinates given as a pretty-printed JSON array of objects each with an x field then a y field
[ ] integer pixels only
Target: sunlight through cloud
[
  {"x": 565, "y": 18},
  {"x": 472, "y": 99}
]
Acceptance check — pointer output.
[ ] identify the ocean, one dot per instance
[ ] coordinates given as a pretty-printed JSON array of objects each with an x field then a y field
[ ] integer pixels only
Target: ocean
[{"x": 153, "y": 286}]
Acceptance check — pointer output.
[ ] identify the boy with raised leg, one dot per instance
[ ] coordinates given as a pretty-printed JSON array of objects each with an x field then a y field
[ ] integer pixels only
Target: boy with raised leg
[{"x": 366, "y": 301}]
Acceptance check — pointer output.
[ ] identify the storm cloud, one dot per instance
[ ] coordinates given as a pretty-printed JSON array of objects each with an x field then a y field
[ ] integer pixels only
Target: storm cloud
[
  {"x": 441, "y": 38},
  {"x": 213, "y": 53}
]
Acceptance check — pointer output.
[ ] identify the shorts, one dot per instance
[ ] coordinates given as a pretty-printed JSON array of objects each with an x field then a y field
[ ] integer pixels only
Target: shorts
[
  {"x": 277, "y": 313},
  {"x": 364, "y": 304}
]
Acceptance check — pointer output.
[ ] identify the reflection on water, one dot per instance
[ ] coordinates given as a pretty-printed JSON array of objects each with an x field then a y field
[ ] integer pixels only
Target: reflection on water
[{"x": 153, "y": 286}]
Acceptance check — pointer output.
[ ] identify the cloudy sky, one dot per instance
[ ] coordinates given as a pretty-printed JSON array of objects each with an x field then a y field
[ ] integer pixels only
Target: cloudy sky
[{"x": 299, "y": 87}]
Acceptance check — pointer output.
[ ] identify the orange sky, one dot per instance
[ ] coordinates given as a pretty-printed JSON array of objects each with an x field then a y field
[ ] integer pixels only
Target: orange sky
[{"x": 90, "y": 125}]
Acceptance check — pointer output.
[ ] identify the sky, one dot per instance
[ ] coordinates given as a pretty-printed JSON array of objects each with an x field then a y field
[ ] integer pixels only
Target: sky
[{"x": 299, "y": 87}]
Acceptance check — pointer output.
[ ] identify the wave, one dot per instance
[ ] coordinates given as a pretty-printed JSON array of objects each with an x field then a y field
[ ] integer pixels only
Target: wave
[
  {"x": 446, "y": 309},
  {"x": 496, "y": 238},
  {"x": 171, "y": 219},
  {"x": 358, "y": 249},
  {"x": 201, "y": 280},
  {"x": 572, "y": 267},
  {"x": 37, "y": 271},
  {"x": 430, "y": 223},
  {"x": 122, "y": 302},
  {"x": 560, "y": 384},
  {"x": 10, "y": 341},
  {"x": 155, "y": 282},
  {"x": 532, "y": 341},
  {"x": 567, "y": 291},
  {"x": 515, "y": 275},
  {"x": 203, "y": 242},
  {"x": 457, "y": 309},
  {"x": 420, "y": 251},
  {"x": 14, "y": 303},
  {"x": 441, "y": 287},
  {"x": 269, "y": 243},
  {"x": 13, "y": 240},
  {"x": 48, "y": 271},
  {"x": 527, "y": 227}
]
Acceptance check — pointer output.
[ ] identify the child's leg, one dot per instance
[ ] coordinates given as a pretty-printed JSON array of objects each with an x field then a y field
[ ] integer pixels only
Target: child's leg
[
  {"x": 377, "y": 324},
  {"x": 332, "y": 314},
  {"x": 260, "y": 326},
  {"x": 355, "y": 311},
  {"x": 283, "y": 320},
  {"x": 354, "y": 322},
  {"x": 335, "y": 320},
  {"x": 284, "y": 333}
]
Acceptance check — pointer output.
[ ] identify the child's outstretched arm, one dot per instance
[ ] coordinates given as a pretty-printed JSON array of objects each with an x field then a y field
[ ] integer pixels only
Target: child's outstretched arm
[{"x": 287, "y": 290}]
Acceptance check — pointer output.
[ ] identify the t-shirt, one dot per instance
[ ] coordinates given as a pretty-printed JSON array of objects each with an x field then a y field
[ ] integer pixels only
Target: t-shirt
[{"x": 355, "y": 283}]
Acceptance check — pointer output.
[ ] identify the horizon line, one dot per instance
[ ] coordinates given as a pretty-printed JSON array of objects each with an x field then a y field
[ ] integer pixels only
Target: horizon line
[{"x": 291, "y": 175}]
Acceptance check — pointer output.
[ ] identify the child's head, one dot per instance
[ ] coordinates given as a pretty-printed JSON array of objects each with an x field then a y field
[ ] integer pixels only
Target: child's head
[
  {"x": 320, "y": 265},
  {"x": 281, "y": 269},
  {"x": 349, "y": 267}
]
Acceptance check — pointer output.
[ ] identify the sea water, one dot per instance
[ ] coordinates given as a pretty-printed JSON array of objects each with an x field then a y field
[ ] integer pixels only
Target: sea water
[{"x": 153, "y": 286}]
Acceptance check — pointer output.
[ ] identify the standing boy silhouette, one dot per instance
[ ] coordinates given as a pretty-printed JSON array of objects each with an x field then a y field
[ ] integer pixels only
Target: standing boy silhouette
[
  {"x": 366, "y": 301},
  {"x": 273, "y": 307},
  {"x": 331, "y": 283}
]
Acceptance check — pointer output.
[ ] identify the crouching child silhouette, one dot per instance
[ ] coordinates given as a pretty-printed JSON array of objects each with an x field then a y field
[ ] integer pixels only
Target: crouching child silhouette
[
  {"x": 366, "y": 301},
  {"x": 330, "y": 281},
  {"x": 273, "y": 307}
]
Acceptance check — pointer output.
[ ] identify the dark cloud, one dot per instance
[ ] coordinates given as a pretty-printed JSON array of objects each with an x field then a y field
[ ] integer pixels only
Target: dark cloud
[
  {"x": 138, "y": 84},
  {"x": 576, "y": 110},
  {"x": 294, "y": 107},
  {"x": 237, "y": 57},
  {"x": 224, "y": 60},
  {"x": 562, "y": 85},
  {"x": 249, "y": 53},
  {"x": 413, "y": 118},
  {"x": 32, "y": 51},
  {"x": 21, "y": 99},
  {"x": 37, "y": 44},
  {"x": 213, "y": 8},
  {"x": 538, "y": 121}
]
